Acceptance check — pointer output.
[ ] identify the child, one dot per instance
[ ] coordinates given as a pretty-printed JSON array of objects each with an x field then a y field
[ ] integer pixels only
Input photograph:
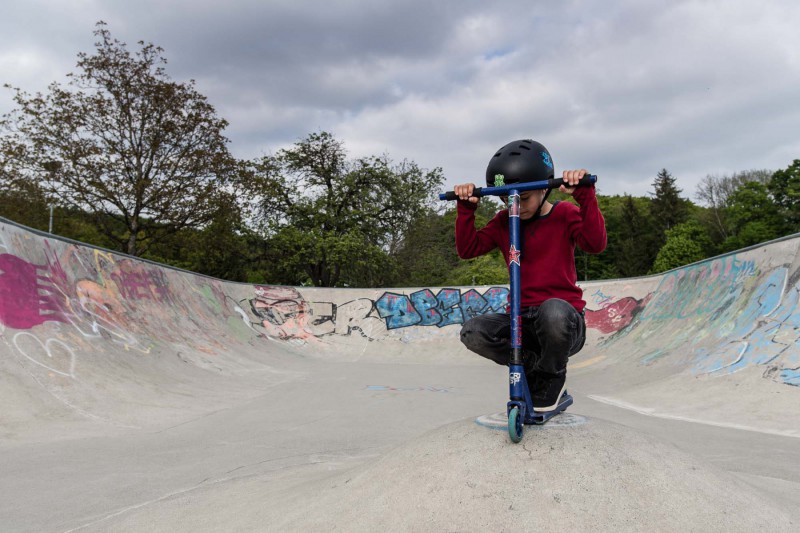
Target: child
[{"x": 553, "y": 326}]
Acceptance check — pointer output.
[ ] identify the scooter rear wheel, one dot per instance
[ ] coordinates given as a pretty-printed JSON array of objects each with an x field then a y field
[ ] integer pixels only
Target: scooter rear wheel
[{"x": 515, "y": 425}]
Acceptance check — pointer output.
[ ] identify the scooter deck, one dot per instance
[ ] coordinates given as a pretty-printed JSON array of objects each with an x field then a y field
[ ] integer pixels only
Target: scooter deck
[{"x": 539, "y": 418}]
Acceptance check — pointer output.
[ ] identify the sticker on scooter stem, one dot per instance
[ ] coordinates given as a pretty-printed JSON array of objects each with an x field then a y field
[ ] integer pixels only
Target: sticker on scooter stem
[
  {"x": 513, "y": 206},
  {"x": 513, "y": 255},
  {"x": 514, "y": 377}
]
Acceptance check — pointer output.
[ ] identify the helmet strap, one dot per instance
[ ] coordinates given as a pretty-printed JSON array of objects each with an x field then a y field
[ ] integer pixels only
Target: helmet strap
[{"x": 541, "y": 204}]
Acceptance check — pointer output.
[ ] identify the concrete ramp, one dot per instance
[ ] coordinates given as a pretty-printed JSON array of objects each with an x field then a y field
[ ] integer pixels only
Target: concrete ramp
[
  {"x": 591, "y": 476},
  {"x": 139, "y": 397}
]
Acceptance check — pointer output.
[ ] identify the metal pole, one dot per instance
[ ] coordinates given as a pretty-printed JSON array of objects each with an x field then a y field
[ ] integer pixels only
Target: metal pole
[
  {"x": 52, "y": 167},
  {"x": 516, "y": 363}
]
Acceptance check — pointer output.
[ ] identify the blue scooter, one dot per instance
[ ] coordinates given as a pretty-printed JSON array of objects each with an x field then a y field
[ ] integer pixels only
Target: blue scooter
[{"x": 520, "y": 406}]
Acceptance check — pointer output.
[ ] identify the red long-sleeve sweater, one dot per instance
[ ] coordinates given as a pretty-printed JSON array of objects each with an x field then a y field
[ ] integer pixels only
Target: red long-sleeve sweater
[{"x": 548, "y": 245}]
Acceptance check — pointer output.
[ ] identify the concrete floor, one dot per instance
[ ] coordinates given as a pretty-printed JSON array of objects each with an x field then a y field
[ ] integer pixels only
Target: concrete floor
[{"x": 148, "y": 399}]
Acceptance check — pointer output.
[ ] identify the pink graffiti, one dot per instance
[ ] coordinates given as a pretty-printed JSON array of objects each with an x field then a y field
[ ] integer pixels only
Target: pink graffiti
[
  {"x": 137, "y": 282},
  {"x": 26, "y": 297},
  {"x": 614, "y": 316}
]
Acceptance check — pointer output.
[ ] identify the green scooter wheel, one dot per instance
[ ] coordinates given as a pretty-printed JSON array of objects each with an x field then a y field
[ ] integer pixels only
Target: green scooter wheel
[{"x": 515, "y": 427}]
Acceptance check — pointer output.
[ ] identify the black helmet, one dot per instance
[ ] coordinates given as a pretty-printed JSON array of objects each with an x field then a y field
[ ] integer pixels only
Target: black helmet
[{"x": 519, "y": 161}]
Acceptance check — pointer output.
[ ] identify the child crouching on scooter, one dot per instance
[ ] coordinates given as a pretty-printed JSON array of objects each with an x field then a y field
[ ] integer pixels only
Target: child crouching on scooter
[{"x": 553, "y": 325}]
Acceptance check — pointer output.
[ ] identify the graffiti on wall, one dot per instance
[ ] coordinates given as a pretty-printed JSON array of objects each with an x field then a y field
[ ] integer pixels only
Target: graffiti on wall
[
  {"x": 613, "y": 315},
  {"x": 701, "y": 290},
  {"x": 283, "y": 313},
  {"x": 99, "y": 296},
  {"x": 27, "y": 298},
  {"x": 56, "y": 298},
  {"x": 723, "y": 316},
  {"x": 446, "y": 307}
]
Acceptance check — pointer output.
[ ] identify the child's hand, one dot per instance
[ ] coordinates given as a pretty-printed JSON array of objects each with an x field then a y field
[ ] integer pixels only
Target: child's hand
[
  {"x": 464, "y": 192},
  {"x": 572, "y": 177}
]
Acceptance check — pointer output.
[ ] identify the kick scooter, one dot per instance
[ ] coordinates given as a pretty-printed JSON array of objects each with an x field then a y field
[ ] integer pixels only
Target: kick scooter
[{"x": 520, "y": 406}]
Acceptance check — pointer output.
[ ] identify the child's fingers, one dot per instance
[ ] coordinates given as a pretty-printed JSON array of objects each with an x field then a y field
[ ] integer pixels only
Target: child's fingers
[
  {"x": 464, "y": 192},
  {"x": 573, "y": 177}
]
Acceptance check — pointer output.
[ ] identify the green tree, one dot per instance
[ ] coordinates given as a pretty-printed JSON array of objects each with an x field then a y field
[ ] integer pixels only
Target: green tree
[
  {"x": 332, "y": 221},
  {"x": 636, "y": 242},
  {"x": 667, "y": 208},
  {"x": 142, "y": 154},
  {"x": 427, "y": 255},
  {"x": 220, "y": 248},
  {"x": 686, "y": 243},
  {"x": 754, "y": 217},
  {"x": 716, "y": 192},
  {"x": 489, "y": 269},
  {"x": 785, "y": 187},
  {"x": 23, "y": 200}
]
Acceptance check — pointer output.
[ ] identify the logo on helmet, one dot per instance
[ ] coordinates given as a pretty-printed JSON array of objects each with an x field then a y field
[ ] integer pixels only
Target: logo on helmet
[
  {"x": 546, "y": 159},
  {"x": 499, "y": 180}
]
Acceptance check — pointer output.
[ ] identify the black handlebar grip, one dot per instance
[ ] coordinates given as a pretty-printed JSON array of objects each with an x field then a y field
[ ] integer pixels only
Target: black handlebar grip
[
  {"x": 588, "y": 179},
  {"x": 449, "y": 195},
  {"x": 477, "y": 192}
]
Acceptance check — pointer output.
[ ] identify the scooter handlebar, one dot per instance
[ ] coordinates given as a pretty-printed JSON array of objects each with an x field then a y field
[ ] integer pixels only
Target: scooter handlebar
[{"x": 478, "y": 192}]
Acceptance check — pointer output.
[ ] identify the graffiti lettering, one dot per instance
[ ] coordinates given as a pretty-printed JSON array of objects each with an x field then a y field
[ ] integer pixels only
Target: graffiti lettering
[
  {"x": 140, "y": 283},
  {"x": 397, "y": 310},
  {"x": 448, "y": 306}
]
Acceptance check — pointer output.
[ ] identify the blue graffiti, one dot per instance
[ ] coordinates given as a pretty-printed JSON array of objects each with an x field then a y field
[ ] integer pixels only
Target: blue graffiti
[
  {"x": 427, "y": 305},
  {"x": 703, "y": 290},
  {"x": 791, "y": 376},
  {"x": 447, "y": 307},
  {"x": 765, "y": 330},
  {"x": 397, "y": 310}
]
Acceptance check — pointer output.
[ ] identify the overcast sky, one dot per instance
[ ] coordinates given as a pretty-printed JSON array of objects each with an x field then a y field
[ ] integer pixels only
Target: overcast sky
[{"x": 623, "y": 88}]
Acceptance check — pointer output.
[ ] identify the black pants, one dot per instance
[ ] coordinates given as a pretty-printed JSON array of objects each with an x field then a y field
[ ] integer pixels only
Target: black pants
[{"x": 551, "y": 333}]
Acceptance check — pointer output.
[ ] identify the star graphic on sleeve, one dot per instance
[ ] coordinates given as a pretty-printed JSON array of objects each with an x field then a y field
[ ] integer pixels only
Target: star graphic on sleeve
[{"x": 513, "y": 255}]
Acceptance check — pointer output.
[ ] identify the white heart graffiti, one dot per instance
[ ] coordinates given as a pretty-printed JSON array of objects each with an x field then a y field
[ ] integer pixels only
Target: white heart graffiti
[{"x": 51, "y": 348}]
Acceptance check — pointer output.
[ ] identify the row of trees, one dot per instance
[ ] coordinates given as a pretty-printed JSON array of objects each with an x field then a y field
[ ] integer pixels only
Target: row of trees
[
  {"x": 646, "y": 235},
  {"x": 139, "y": 163},
  {"x": 665, "y": 230}
]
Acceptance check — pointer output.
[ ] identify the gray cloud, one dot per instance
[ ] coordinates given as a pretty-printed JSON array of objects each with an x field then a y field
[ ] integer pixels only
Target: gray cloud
[{"x": 623, "y": 88}]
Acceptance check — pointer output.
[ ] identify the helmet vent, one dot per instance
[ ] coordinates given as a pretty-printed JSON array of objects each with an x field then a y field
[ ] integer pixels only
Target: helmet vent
[
  {"x": 524, "y": 147},
  {"x": 515, "y": 153}
]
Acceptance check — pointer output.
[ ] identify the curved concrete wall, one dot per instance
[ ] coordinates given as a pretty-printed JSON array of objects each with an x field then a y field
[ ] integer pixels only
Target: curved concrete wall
[{"x": 93, "y": 335}]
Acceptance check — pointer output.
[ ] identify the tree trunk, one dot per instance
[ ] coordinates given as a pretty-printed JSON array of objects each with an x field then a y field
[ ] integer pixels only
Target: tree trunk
[{"x": 134, "y": 229}]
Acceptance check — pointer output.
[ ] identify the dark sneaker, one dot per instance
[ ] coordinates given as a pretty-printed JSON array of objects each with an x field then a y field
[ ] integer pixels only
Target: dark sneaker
[
  {"x": 550, "y": 388},
  {"x": 534, "y": 379}
]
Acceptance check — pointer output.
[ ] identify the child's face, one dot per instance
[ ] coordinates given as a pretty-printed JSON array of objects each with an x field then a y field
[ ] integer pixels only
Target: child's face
[{"x": 529, "y": 202}]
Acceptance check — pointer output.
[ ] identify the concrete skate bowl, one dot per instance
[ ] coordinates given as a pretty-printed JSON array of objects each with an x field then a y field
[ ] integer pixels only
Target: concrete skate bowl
[{"x": 138, "y": 397}]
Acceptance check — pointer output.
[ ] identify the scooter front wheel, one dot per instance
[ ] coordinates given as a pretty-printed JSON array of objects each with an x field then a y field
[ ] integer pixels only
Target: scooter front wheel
[{"x": 515, "y": 425}]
